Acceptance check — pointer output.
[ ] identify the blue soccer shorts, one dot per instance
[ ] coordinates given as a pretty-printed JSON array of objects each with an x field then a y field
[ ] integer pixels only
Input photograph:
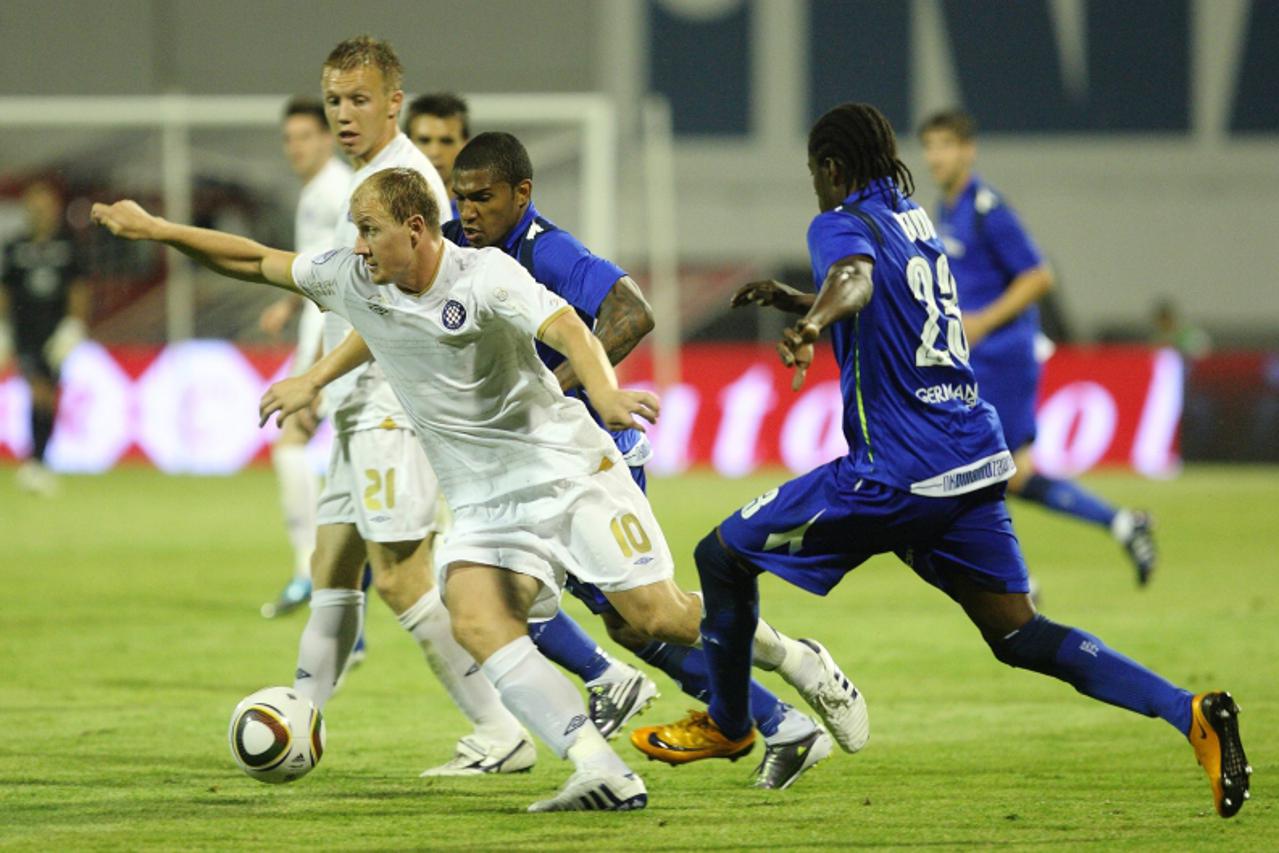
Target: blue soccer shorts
[{"x": 813, "y": 530}]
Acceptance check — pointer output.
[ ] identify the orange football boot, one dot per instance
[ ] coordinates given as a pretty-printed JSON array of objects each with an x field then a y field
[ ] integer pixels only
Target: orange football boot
[
  {"x": 1214, "y": 733},
  {"x": 691, "y": 739}
]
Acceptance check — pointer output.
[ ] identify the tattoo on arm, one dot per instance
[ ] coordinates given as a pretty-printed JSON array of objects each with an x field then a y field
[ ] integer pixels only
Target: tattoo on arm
[{"x": 625, "y": 317}]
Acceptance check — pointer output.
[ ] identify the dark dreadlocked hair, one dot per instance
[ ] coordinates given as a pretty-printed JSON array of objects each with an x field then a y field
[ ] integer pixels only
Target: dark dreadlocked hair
[{"x": 860, "y": 139}]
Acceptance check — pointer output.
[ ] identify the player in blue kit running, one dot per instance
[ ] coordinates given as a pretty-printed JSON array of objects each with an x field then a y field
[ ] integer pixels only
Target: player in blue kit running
[
  {"x": 927, "y": 466},
  {"x": 493, "y": 183},
  {"x": 1001, "y": 275}
]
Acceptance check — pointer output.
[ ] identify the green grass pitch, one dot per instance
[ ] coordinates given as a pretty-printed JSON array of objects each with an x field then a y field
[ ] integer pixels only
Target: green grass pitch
[{"x": 129, "y": 630}]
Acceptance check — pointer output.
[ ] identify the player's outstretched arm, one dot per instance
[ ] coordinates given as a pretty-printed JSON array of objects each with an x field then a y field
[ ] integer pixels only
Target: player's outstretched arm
[
  {"x": 624, "y": 318},
  {"x": 567, "y": 334},
  {"x": 228, "y": 254},
  {"x": 845, "y": 291},
  {"x": 773, "y": 293},
  {"x": 297, "y": 393}
]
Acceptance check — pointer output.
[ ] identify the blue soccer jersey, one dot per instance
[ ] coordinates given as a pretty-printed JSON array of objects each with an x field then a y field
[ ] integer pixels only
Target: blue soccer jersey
[
  {"x": 988, "y": 248},
  {"x": 926, "y": 464},
  {"x": 559, "y": 261},
  {"x": 912, "y": 415}
]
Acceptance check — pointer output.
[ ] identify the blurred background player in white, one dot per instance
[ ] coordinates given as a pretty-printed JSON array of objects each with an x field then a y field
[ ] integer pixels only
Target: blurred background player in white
[
  {"x": 379, "y": 497},
  {"x": 439, "y": 124},
  {"x": 308, "y": 146},
  {"x": 44, "y": 314}
]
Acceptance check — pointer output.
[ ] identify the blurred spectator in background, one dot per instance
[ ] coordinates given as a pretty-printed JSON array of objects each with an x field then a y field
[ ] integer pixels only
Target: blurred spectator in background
[
  {"x": 44, "y": 314},
  {"x": 439, "y": 125},
  {"x": 1170, "y": 330},
  {"x": 1000, "y": 275}
]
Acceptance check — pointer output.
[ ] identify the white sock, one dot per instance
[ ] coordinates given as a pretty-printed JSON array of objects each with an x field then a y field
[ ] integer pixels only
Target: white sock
[
  {"x": 298, "y": 495},
  {"x": 795, "y": 725},
  {"x": 428, "y": 621},
  {"x": 548, "y": 704},
  {"x": 327, "y": 640},
  {"x": 791, "y": 659},
  {"x": 617, "y": 671},
  {"x": 1121, "y": 526}
]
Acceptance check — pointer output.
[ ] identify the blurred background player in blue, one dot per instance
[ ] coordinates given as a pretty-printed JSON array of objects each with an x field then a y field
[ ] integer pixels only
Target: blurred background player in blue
[
  {"x": 1001, "y": 275},
  {"x": 927, "y": 463},
  {"x": 493, "y": 184},
  {"x": 47, "y": 305},
  {"x": 439, "y": 125}
]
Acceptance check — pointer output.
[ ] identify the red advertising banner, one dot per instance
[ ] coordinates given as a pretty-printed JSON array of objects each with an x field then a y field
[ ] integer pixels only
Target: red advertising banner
[
  {"x": 1116, "y": 406},
  {"x": 192, "y": 408}
]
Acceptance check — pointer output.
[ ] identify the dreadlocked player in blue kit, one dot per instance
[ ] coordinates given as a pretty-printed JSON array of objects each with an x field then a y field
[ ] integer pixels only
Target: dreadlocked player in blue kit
[
  {"x": 927, "y": 466},
  {"x": 1001, "y": 276}
]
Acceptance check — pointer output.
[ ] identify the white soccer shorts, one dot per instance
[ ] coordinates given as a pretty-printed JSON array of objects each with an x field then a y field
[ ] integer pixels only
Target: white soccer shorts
[
  {"x": 379, "y": 480},
  {"x": 600, "y": 528}
]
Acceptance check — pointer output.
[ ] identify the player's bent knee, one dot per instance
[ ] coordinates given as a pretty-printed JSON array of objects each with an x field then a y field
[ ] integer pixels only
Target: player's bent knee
[
  {"x": 1032, "y": 646},
  {"x": 715, "y": 561},
  {"x": 338, "y": 561},
  {"x": 482, "y": 634}
]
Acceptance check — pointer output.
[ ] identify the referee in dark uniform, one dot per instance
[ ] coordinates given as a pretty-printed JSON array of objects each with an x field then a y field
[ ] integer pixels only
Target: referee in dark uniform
[{"x": 47, "y": 308}]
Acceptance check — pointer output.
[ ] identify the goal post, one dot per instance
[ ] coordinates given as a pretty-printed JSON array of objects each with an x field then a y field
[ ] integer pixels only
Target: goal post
[{"x": 592, "y": 117}]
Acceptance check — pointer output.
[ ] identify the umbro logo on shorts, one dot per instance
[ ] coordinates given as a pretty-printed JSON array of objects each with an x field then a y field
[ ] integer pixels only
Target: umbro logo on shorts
[
  {"x": 453, "y": 315},
  {"x": 575, "y": 724}
]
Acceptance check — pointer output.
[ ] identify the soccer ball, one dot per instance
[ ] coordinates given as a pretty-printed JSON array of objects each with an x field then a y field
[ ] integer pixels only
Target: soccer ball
[{"x": 276, "y": 735}]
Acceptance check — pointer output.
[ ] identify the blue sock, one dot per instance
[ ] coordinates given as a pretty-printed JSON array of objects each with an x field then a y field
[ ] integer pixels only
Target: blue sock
[
  {"x": 563, "y": 641},
  {"x": 1087, "y": 664},
  {"x": 728, "y": 631},
  {"x": 1068, "y": 497},
  {"x": 687, "y": 668}
]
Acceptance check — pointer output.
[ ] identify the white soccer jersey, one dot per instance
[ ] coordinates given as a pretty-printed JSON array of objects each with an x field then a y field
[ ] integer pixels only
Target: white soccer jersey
[
  {"x": 462, "y": 361},
  {"x": 361, "y": 399},
  {"x": 321, "y": 206}
]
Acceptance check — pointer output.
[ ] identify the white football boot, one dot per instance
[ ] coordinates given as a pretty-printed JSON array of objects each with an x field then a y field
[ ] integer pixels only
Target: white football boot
[
  {"x": 597, "y": 790},
  {"x": 836, "y": 700},
  {"x": 476, "y": 756},
  {"x": 616, "y": 697}
]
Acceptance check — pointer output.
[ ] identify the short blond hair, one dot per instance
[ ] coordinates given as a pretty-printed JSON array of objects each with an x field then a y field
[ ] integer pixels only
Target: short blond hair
[
  {"x": 402, "y": 193},
  {"x": 365, "y": 51}
]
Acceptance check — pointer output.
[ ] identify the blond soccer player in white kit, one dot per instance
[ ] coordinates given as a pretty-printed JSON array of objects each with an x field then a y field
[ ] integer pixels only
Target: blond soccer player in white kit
[
  {"x": 535, "y": 485},
  {"x": 308, "y": 146},
  {"x": 379, "y": 498},
  {"x": 537, "y": 488}
]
